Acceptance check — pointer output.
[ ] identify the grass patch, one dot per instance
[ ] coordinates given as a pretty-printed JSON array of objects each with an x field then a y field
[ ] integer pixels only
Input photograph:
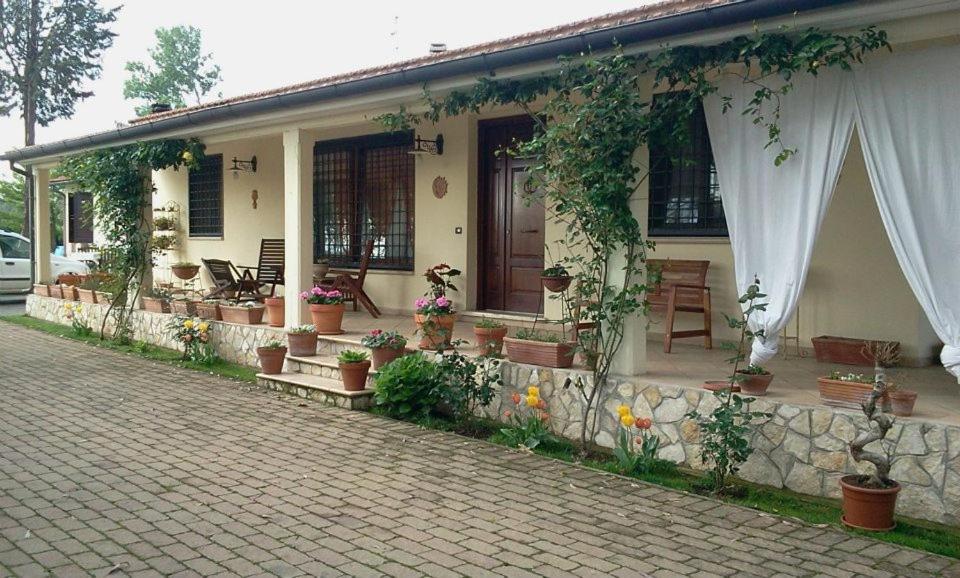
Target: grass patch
[{"x": 138, "y": 348}]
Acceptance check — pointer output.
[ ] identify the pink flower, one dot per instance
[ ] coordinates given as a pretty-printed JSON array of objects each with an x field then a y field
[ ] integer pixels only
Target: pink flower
[
  {"x": 305, "y": 295},
  {"x": 376, "y": 332},
  {"x": 317, "y": 291},
  {"x": 442, "y": 302},
  {"x": 421, "y": 302},
  {"x": 334, "y": 294}
]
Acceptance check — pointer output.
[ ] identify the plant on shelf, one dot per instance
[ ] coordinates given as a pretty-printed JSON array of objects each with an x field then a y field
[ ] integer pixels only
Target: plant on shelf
[
  {"x": 527, "y": 422},
  {"x": 636, "y": 446},
  {"x": 489, "y": 334},
  {"x": 194, "y": 335},
  {"x": 869, "y": 501},
  {"x": 385, "y": 346},
  {"x": 164, "y": 223},
  {"x": 725, "y": 432},
  {"x": 538, "y": 347},
  {"x": 326, "y": 309},
  {"x": 302, "y": 340},
  {"x": 271, "y": 355},
  {"x": 185, "y": 270},
  {"x": 74, "y": 313},
  {"x": 161, "y": 243},
  {"x": 354, "y": 368},
  {"x": 556, "y": 278}
]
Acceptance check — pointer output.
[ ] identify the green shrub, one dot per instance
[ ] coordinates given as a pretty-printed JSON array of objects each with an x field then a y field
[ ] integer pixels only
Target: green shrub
[{"x": 408, "y": 388}]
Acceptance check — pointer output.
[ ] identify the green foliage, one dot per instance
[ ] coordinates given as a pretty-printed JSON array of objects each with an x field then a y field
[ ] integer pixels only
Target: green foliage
[
  {"x": 74, "y": 312},
  {"x": 179, "y": 69},
  {"x": 489, "y": 324},
  {"x": 526, "y": 425},
  {"x": 555, "y": 270},
  {"x": 194, "y": 334},
  {"x": 274, "y": 344},
  {"x": 753, "y": 369},
  {"x": 350, "y": 356},
  {"x": 538, "y": 335},
  {"x": 467, "y": 384},
  {"x": 11, "y": 204},
  {"x": 379, "y": 338},
  {"x": 637, "y": 457}
]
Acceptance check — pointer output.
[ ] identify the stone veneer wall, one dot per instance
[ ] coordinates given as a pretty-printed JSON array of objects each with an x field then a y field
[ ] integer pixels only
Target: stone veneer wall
[{"x": 801, "y": 448}]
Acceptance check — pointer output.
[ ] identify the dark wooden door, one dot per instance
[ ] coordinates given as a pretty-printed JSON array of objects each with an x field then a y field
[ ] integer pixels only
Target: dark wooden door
[{"x": 511, "y": 221}]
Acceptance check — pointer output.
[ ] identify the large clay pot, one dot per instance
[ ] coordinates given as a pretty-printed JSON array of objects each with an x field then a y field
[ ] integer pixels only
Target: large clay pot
[
  {"x": 849, "y": 394},
  {"x": 185, "y": 272},
  {"x": 209, "y": 311},
  {"x": 87, "y": 295},
  {"x": 753, "y": 384},
  {"x": 275, "y": 311},
  {"x": 384, "y": 355},
  {"x": 327, "y": 318},
  {"x": 302, "y": 344},
  {"x": 490, "y": 339},
  {"x": 868, "y": 508},
  {"x": 184, "y": 307},
  {"x": 901, "y": 402},
  {"x": 243, "y": 315},
  {"x": 156, "y": 305},
  {"x": 354, "y": 375},
  {"x": 436, "y": 330},
  {"x": 271, "y": 359},
  {"x": 556, "y": 284},
  {"x": 543, "y": 353}
]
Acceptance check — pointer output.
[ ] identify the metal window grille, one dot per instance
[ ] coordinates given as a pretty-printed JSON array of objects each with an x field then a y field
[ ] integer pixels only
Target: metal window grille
[
  {"x": 684, "y": 190},
  {"x": 364, "y": 189},
  {"x": 205, "y": 198}
]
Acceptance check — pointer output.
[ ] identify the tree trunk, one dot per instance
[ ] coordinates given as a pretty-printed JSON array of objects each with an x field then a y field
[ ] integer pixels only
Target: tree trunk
[{"x": 30, "y": 108}]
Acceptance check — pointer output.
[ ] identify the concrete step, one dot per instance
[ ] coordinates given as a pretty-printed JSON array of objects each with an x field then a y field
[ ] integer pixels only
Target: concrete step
[
  {"x": 322, "y": 366},
  {"x": 317, "y": 388}
]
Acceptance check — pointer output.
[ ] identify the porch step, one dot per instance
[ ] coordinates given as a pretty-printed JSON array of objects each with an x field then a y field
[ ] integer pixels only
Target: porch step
[
  {"x": 317, "y": 388},
  {"x": 322, "y": 366}
]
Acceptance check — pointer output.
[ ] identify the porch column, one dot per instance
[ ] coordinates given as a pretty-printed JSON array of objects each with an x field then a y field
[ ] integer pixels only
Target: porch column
[
  {"x": 297, "y": 225},
  {"x": 41, "y": 225}
]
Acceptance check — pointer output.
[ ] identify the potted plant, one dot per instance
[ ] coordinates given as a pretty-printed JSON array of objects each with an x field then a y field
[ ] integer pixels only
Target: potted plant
[
  {"x": 87, "y": 291},
  {"x": 156, "y": 300},
  {"x": 540, "y": 348},
  {"x": 326, "y": 309},
  {"x": 385, "y": 346},
  {"x": 321, "y": 268},
  {"x": 209, "y": 309},
  {"x": 754, "y": 380},
  {"x": 901, "y": 400},
  {"x": 556, "y": 279},
  {"x": 435, "y": 315},
  {"x": 848, "y": 390},
  {"x": 271, "y": 356},
  {"x": 490, "y": 334},
  {"x": 164, "y": 223},
  {"x": 275, "y": 311},
  {"x": 302, "y": 340},
  {"x": 847, "y": 350},
  {"x": 244, "y": 312},
  {"x": 185, "y": 270},
  {"x": 887, "y": 354},
  {"x": 184, "y": 306},
  {"x": 354, "y": 367},
  {"x": 163, "y": 242},
  {"x": 869, "y": 501}
]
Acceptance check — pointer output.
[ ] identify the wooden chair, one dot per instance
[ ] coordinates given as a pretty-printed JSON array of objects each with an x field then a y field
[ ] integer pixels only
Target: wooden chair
[
  {"x": 352, "y": 287},
  {"x": 269, "y": 269},
  {"x": 682, "y": 286},
  {"x": 226, "y": 279}
]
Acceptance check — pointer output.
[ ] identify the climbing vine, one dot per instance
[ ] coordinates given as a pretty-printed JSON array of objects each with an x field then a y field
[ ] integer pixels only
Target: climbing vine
[{"x": 119, "y": 178}]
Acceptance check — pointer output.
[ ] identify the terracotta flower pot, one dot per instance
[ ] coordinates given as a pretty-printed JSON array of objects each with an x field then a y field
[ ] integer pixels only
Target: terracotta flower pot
[
  {"x": 275, "y": 311},
  {"x": 69, "y": 292},
  {"x": 753, "y": 384},
  {"x": 556, "y": 284},
  {"x": 868, "y": 508},
  {"x": 831, "y": 349},
  {"x": 185, "y": 272},
  {"x": 327, "y": 318},
  {"x": 42, "y": 290},
  {"x": 184, "y": 307},
  {"x": 54, "y": 291},
  {"x": 302, "y": 344},
  {"x": 155, "y": 305},
  {"x": 490, "y": 339},
  {"x": 543, "y": 353},
  {"x": 849, "y": 394},
  {"x": 209, "y": 311},
  {"x": 354, "y": 375},
  {"x": 435, "y": 330},
  {"x": 87, "y": 295},
  {"x": 901, "y": 402},
  {"x": 271, "y": 359},
  {"x": 719, "y": 385},
  {"x": 243, "y": 315},
  {"x": 384, "y": 355}
]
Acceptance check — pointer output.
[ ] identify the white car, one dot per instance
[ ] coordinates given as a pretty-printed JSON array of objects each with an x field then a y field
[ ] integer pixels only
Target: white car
[{"x": 15, "y": 265}]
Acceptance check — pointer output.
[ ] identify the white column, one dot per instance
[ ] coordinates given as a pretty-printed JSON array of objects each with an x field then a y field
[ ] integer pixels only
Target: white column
[
  {"x": 41, "y": 225},
  {"x": 297, "y": 224}
]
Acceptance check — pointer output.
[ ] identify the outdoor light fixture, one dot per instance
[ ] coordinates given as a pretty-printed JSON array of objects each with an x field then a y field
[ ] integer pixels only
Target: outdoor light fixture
[
  {"x": 428, "y": 147},
  {"x": 244, "y": 166}
]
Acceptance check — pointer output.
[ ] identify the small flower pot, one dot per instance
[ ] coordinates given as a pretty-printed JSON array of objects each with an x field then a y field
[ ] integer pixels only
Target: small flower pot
[
  {"x": 87, "y": 295},
  {"x": 302, "y": 344},
  {"x": 242, "y": 315},
  {"x": 69, "y": 292},
  {"x": 209, "y": 311},
  {"x": 185, "y": 272},
  {"x": 327, "y": 318},
  {"x": 753, "y": 384},
  {"x": 436, "y": 330},
  {"x": 849, "y": 394},
  {"x": 42, "y": 290},
  {"x": 184, "y": 307},
  {"x": 271, "y": 359},
  {"x": 547, "y": 354},
  {"x": 384, "y": 355},
  {"x": 354, "y": 375},
  {"x": 155, "y": 305},
  {"x": 490, "y": 339},
  {"x": 901, "y": 402},
  {"x": 556, "y": 284},
  {"x": 868, "y": 508},
  {"x": 719, "y": 385},
  {"x": 275, "y": 311}
]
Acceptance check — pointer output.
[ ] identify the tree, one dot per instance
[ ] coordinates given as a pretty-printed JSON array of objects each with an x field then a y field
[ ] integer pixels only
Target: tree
[
  {"x": 11, "y": 204},
  {"x": 48, "y": 49},
  {"x": 179, "y": 70}
]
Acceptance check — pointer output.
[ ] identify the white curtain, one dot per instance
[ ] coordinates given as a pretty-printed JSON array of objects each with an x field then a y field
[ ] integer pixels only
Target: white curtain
[
  {"x": 774, "y": 213},
  {"x": 909, "y": 124}
]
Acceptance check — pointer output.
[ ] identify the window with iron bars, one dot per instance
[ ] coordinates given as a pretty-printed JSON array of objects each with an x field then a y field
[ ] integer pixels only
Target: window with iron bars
[
  {"x": 684, "y": 190},
  {"x": 205, "y": 198},
  {"x": 363, "y": 189}
]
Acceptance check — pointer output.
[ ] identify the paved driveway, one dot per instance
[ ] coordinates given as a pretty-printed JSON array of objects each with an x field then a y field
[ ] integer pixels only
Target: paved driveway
[{"x": 112, "y": 466}]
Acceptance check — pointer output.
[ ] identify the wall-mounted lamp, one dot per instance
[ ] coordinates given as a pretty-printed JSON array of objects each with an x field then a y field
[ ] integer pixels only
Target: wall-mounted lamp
[
  {"x": 244, "y": 166},
  {"x": 428, "y": 147}
]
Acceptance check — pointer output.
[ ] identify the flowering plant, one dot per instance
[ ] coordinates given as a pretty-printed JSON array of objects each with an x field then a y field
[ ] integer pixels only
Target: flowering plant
[
  {"x": 439, "y": 277},
  {"x": 78, "y": 321},
  {"x": 321, "y": 296},
  {"x": 194, "y": 334},
  {"x": 528, "y": 421},
  {"x": 636, "y": 453},
  {"x": 302, "y": 329},
  {"x": 379, "y": 338},
  {"x": 434, "y": 306}
]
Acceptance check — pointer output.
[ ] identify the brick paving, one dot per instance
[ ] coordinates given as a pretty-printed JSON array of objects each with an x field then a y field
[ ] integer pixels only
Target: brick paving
[{"x": 115, "y": 466}]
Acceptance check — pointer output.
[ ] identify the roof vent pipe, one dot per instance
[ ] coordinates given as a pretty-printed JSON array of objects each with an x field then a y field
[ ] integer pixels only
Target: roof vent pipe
[
  {"x": 438, "y": 47},
  {"x": 158, "y": 107}
]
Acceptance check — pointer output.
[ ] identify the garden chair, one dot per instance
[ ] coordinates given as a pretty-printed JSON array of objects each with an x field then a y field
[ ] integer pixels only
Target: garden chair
[
  {"x": 682, "y": 286},
  {"x": 352, "y": 287},
  {"x": 269, "y": 269},
  {"x": 228, "y": 282}
]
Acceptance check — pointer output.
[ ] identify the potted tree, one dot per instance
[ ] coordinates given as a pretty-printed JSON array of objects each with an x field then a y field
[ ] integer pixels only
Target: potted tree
[
  {"x": 244, "y": 312},
  {"x": 540, "y": 348},
  {"x": 156, "y": 300},
  {"x": 302, "y": 340},
  {"x": 754, "y": 380},
  {"x": 435, "y": 315},
  {"x": 275, "y": 311},
  {"x": 385, "y": 346},
  {"x": 271, "y": 356},
  {"x": 354, "y": 367},
  {"x": 490, "y": 334},
  {"x": 185, "y": 270},
  {"x": 556, "y": 279},
  {"x": 869, "y": 501},
  {"x": 326, "y": 309}
]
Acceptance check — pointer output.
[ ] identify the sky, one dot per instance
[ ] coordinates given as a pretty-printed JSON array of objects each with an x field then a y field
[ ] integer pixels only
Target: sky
[{"x": 266, "y": 44}]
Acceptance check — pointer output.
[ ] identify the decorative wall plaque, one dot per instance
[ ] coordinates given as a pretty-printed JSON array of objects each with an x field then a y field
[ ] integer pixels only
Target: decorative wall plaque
[{"x": 439, "y": 187}]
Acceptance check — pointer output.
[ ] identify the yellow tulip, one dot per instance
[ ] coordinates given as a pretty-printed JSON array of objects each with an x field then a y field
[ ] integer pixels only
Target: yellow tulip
[
  {"x": 533, "y": 390},
  {"x": 203, "y": 327},
  {"x": 626, "y": 419},
  {"x": 68, "y": 306},
  {"x": 623, "y": 410},
  {"x": 188, "y": 324},
  {"x": 533, "y": 400}
]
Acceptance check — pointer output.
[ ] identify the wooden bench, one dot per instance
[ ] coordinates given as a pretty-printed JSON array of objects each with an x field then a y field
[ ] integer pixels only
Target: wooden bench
[{"x": 680, "y": 285}]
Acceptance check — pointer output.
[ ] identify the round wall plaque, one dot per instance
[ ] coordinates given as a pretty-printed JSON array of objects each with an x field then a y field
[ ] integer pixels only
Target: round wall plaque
[{"x": 439, "y": 187}]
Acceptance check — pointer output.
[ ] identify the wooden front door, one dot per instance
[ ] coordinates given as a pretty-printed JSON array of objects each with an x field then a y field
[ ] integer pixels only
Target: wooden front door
[{"x": 511, "y": 223}]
